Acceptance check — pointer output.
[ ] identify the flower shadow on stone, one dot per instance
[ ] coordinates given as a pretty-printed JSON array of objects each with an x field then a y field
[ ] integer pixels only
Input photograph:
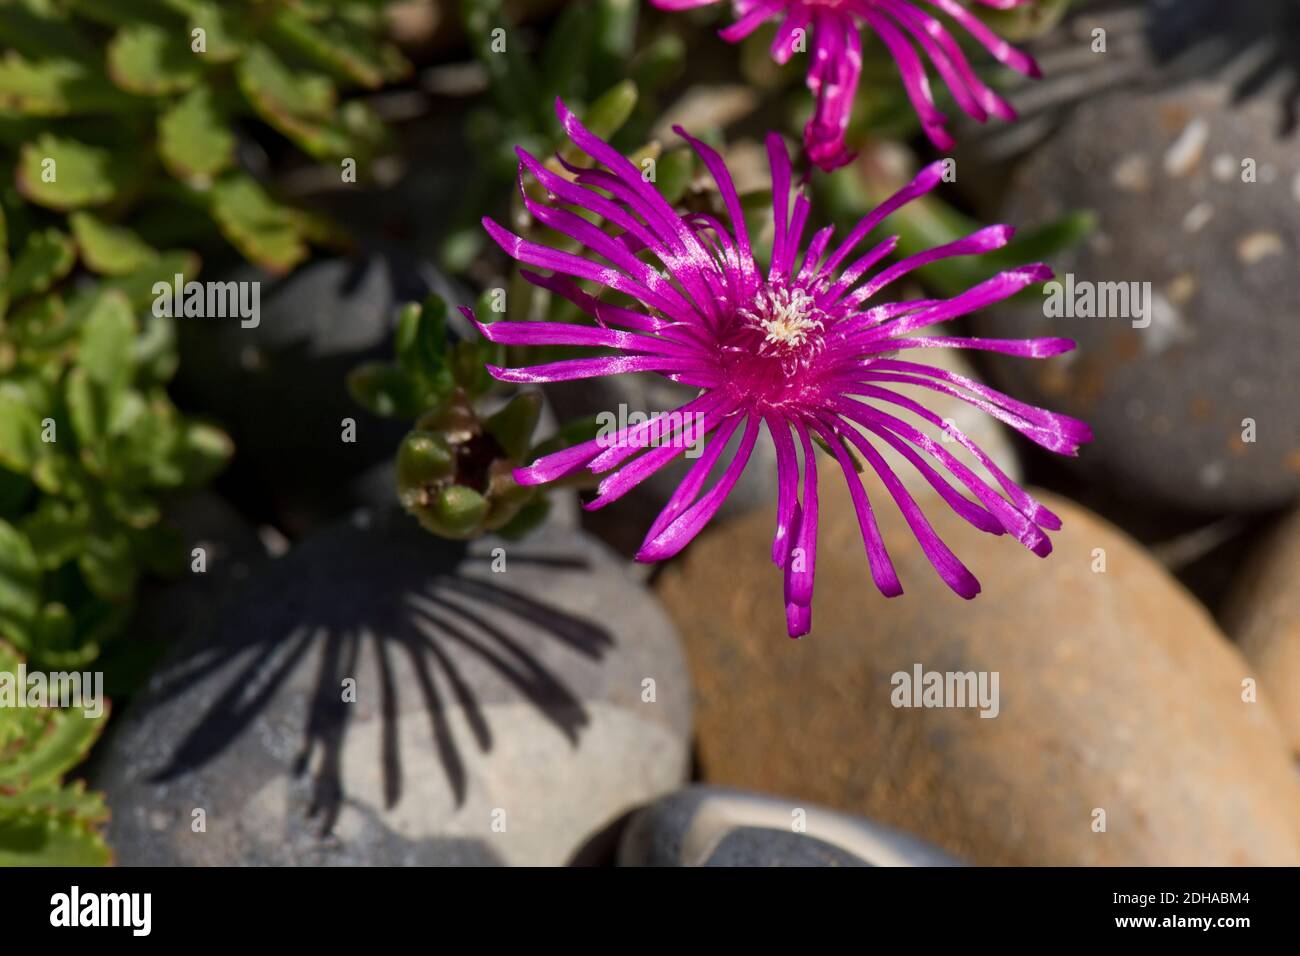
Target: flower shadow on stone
[
  {"x": 1250, "y": 45},
  {"x": 395, "y": 603}
]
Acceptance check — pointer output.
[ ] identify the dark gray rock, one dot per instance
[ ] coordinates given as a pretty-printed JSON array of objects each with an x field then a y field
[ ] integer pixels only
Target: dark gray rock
[
  {"x": 1171, "y": 402},
  {"x": 229, "y": 552},
  {"x": 280, "y": 388},
  {"x": 756, "y": 846},
  {"x": 497, "y": 716},
  {"x": 714, "y": 826}
]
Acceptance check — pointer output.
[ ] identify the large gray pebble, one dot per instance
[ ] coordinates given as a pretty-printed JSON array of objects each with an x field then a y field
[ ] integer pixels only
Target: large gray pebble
[{"x": 499, "y": 717}]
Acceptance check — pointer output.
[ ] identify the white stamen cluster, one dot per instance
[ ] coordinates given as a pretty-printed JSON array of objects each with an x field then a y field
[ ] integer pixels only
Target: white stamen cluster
[{"x": 786, "y": 317}]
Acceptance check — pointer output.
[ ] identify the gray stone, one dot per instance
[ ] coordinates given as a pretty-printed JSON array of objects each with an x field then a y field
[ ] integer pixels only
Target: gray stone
[
  {"x": 714, "y": 826},
  {"x": 1174, "y": 404},
  {"x": 280, "y": 388},
  {"x": 228, "y": 550},
  {"x": 498, "y": 717}
]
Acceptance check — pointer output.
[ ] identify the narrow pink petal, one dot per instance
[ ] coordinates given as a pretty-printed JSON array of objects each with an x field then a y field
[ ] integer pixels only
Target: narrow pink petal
[
  {"x": 683, "y": 529},
  {"x": 882, "y": 568},
  {"x": 570, "y": 369},
  {"x": 925, "y": 180},
  {"x": 974, "y": 514},
  {"x": 787, "y": 482},
  {"x": 977, "y": 243},
  {"x": 912, "y": 70},
  {"x": 731, "y": 199},
  {"x": 689, "y": 488},
  {"x": 999, "y": 287},
  {"x": 792, "y": 28},
  {"x": 1017, "y": 522},
  {"x": 751, "y": 21},
  {"x": 562, "y": 333},
  {"x": 1022, "y": 348},
  {"x": 1035, "y": 511},
  {"x": 833, "y": 79},
  {"x": 799, "y": 580},
  {"x": 779, "y": 161},
  {"x": 1002, "y": 51},
  {"x": 627, "y": 442},
  {"x": 951, "y": 570}
]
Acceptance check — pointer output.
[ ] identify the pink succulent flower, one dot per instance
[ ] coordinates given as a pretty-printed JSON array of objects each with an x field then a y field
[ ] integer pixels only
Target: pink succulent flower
[
  {"x": 835, "y": 58},
  {"x": 801, "y": 350}
]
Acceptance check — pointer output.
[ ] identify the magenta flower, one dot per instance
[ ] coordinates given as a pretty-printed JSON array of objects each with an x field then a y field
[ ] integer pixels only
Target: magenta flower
[
  {"x": 836, "y": 58},
  {"x": 797, "y": 350}
]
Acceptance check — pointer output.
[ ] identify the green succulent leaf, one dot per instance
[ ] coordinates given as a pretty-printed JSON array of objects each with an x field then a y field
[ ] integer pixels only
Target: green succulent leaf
[
  {"x": 43, "y": 823},
  {"x": 20, "y": 431},
  {"x": 107, "y": 341},
  {"x": 456, "y": 511},
  {"x": 46, "y": 838},
  {"x": 195, "y": 141},
  {"x": 151, "y": 60},
  {"x": 514, "y": 424},
  {"x": 341, "y": 49},
  {"x": 46, "y": 258},
  {"x": 138, "y": 285},
  {"x": 64, "y": 174},
  {"x": 109, "y": 249},
  {"x": 203, "y": 451},
  {"x": 225, "y": 31},
  {"x": 20, "y": 589},
  {"x": 56, "y": 86},
  {"x": 109, "y": 567},
  {"x": 422, "y": 345},
  {"x": 57, "y": 531},
  {"x": 265, "y": 231},
  {"x": 302, "y": 106},
  {"x": 386, "y": 390}
]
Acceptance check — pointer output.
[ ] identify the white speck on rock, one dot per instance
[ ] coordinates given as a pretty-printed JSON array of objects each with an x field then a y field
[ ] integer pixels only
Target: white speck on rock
[
  {"x": 1132, "y": 173},
  {"x": 1255, "y": 246},
  {"x": 1168, "y": 327},
  {"x": 1212, "y": 474},
  {"x": 1198, "y": 216},
  {"x": 1187, "y": 149},
  {"x": 1182, "y": 288}
]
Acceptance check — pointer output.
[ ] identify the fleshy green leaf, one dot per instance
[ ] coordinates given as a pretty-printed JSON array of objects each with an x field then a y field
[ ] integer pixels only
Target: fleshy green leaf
[
  {"x": 64, "y": 174},
  {"x": 109, "y": 567},
  {"x": 263, "y": 230},
  {"x": 56, "y": 531},
  {"x": 109, "y": 249},
  {"x": 341, "y": 49},
  {"x": 138, "y": 286},
  {"x": 194, "y": 137},
  {"x": 151, "y": 60},
  {"x": 203, "y": 452},
  {"x": 20, "y": 431},
  {"x": 20, "y": 590},
  {"x": 56, "y": 86},
  {"x": 46, "y": 258},
  {"x": 107, "y": 338}
]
